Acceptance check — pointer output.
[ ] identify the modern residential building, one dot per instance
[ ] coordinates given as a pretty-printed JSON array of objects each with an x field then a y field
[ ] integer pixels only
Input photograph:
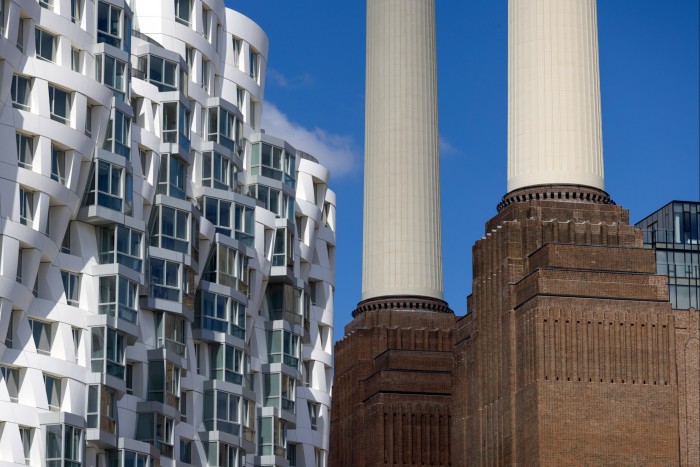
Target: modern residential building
[
  {"x": 674, "y": 233},
  {"x": 166, "y": 267}
]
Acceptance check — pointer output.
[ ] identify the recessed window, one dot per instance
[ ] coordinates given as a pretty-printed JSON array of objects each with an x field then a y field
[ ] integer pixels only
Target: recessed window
[
  {"x": 2, "y": 18},
  {"x": 314, "y": 410},
  {"x": 41, "y": 332},
  {"x": 12, "y": 382},
  {"x": 71, "y": 287},
  {"x": 26, "y": 435},
  {"x": 118, "y": 137},
  {"x": 171, "y": 176},
  {"x": 58, "y": 165},
  {"x": 76, "y": 10},
  {"x": 183, "y": 11},
  {"x": 26, "y": 207},
  {"x": 60, "y": 103},
  {"x": 21, "y": 92},
  {"x": 75, "y": 59},
  {"x": 109, "y": 24},
  {"x": 88, "y": 121},
  {"x": 48, "y": 4},
  {"x": 254, "y": 65},
  {"x": 205, "y": 22},
  {"x": 45, "y": 45},
  {"x": 52, "y": 385},
  {"x": 204, "y": 77},
  {"x": 20, "y": 34},
  {"x": 25, "y": 150}
]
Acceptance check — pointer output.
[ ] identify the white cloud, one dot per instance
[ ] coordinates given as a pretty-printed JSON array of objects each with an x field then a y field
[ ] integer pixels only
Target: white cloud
[
  {"x": 298, "y": 81},
  {"x": 335, "y": 152},
  {"x": 446, "y": 148}
]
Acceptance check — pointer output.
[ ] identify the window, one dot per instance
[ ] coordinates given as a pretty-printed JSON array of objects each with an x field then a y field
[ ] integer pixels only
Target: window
[
  {"x": 273, "y": 162},
  {"x": 165, "y": 279},
  {"x": 171, "y": 177},
  {"x": 75, "y": 61},
  {"x": 307, "y": 373},
  {"x": 284, "y": 302},
  {"x": 283, "y": 347},
  {"x": 11, "y": 378},
  {"x": 102, "y": 408},
  {"x": 45, "y": 45},
  {"x": 118, "y": 137},
  {"x": 224, "y": 455},
  {"x": 125, "y": 242},
  {"x": 282, "y": 251},
  {"x": 223, "y": 127},
  {"x": 53, "y": 392},
  {"x": 218, "y": 171},
  {"x": 244, "y": 224},
  {"x": 2, "y": 18},
  {"x": 220, "y": 313},
  {"x": 160, "y": 72},
  {"x": 109, "y": 24},
  {"x": 170, "y": 229},
  {"x": 176, "y": 124},
  {"x": 20, "y": 34},
  {"x": 26, "y": 434},
  {"x": 240, "y": 97},
  {"x": 185, "y": 450},
  {"x": 205, "y": 22},
  {"x": 272, "y": 437},
  {"x": 218, "y": 212},
  {"x": 26, "y": 207},
  {"x": 279, "y": 390},
  {"x": 171, "y": 333},
  {"x": 65, "y": 245},
  {"x": 226, "y": 363},
  {"x": 237, "y": 47},
  {"x": 88, "y": 121},
  {"x": 228, "y": 267},
  {"x": 109, "y": 179},
  {"x": 76, "y": 10},
  {"x": 254, "y": 65},
  {"x": 318, "y": 458},
  {"x": 20, "y": 260},
  {"x": 156, "y": 429},
  {"x": 118, "y": 294},
  {"x": 183, "y": 10},
  {"x": 58, "y": 165},
  {"x": 48, "y": 4},
  {"x": 130, "y": 378},
  {"x": 25, "y": 150},
  {"x": 222, "y": 412},
  {"x": 60, "y": 102},
  {"x": 107, "y": 357},
  {"x": 9, "y": 337},
  {"x": 164, "y": 383},
  {"x": 64, "y": 446},
  {"x": 204, "y": 81},
  {"x": 111, "y": 72},
  {"x": 71, "y": 286},
  {"x": 21, "y": 92},
  {"x": 76, "y": 333},
  {"x": 314, "y": 409}
]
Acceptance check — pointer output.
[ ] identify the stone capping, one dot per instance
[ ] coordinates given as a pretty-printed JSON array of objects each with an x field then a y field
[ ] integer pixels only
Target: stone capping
[
  {"x": 571, "y": 193},
  {"x": 402, "y": 303}
]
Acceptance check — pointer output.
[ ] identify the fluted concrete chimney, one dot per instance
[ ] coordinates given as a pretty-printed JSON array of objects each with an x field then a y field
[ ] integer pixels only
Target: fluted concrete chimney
[
  {"x": 402, "y": 235},
  {"x": 554, "y": 123}
]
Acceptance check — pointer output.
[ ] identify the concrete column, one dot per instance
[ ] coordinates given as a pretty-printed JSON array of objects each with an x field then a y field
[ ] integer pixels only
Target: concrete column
[
  {"x": 402, "y": 235},
  {"x": 554, "y": 123}
]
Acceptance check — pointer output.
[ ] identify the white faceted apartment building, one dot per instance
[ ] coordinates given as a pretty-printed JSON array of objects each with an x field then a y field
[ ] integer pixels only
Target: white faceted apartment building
[{"x": 166, "y": 267}]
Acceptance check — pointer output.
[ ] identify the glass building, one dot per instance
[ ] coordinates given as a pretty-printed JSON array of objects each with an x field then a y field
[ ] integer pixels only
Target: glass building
[{"x": 674, "y": 232}]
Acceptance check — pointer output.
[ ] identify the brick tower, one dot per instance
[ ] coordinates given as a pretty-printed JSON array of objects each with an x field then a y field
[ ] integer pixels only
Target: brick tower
[
  {"x": 391, "y": 396},
  {"x": 570, "y": 353}
]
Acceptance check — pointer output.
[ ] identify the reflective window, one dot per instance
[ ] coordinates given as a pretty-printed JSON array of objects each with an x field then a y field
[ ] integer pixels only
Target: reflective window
[
  {"x": 118, "y": 137},
  {"x": 218, "y": 171},
  {"x": 272, "y": 437},
  {"x": 25, "y": 150},
  {"x": 226, "y": 363},
  {"x": 60, "y": 103},
  {"x": 170, "y": 229},
  {"x": 64, "y": 446},
  {"x": 26, "y": 207},
  {"x": 58, "y": 165},
  {"x": 171, "y": 176},
  {"x": 41, "y": 332},
  {"x": 183, "y": 11},
  {"x": 109, "y": 24},
  {"x": 119, "y": 298},
  {"x": 111, "y": 72},
  {"x": 122, "y": 245},
  {"x": 219, "y": 313},
  {"x": 156, "y": 429},
  {"x": 53, "y": 385},
  {"x": 273, "y": 162},
  {"x": 283, "y": 347},
  {"x": 71, "y": 287},
  {"x": 171, "y": 333}
]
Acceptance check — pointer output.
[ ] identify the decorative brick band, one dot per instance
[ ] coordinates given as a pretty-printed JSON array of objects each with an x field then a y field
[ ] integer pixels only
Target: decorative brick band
[
  {"x": 402, "y": 303},
  {"x": 570, "y": 193}
]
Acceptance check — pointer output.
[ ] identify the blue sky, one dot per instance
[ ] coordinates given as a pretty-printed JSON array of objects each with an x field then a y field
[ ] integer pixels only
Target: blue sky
[{"x": 650, "y": 97}]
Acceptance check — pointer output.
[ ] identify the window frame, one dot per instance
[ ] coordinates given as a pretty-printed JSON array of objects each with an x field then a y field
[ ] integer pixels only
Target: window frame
[
  {"x": 21, "y": 102},
  {"x": 71, "y": 287},
  {"x": 40, "y": 44},
  {"x": 108, "y": 36},
  {"x": 56, "y": 94}
]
